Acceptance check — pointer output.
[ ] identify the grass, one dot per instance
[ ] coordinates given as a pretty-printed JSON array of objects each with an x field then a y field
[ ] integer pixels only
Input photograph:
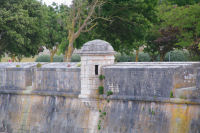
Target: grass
[{"x": 5, "y": 59}]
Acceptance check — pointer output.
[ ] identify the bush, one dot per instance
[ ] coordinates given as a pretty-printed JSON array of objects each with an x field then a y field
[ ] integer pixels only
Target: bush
[
  {"x": 58, "y": 58},
  {"x": 124, "y": 58},
  {"x": 171, "y": 94},
  {"x": 143, "y": 57},
  {"x": 39, "y": 65},
  {"x": 46, "y": 58},
  {"x": 43, "y": 58},
  {"x": 101, "y": 90},
  {"x": 75, "y": 58},
  {"x": 177, "y": 55},
  {"x": 109, "y": 93},
  {"x": 101, "y": 77}
]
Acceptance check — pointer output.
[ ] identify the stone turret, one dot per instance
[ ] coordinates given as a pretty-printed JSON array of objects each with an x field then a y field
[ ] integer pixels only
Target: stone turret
[{"x": 94, "y": 55}]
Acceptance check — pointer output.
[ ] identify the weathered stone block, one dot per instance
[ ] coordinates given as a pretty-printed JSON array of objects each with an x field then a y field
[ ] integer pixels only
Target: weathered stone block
[
  {"x": 149, "y": 79},
  {"x": 60, "y": 77},
  {"x": 16, "y": 75}
]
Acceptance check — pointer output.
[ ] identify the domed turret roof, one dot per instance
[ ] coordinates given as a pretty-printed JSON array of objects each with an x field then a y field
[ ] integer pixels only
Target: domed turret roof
[{"x": 97, "y": 47}]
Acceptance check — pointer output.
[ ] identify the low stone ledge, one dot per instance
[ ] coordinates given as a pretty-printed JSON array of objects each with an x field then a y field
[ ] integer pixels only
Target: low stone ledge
[
  {"x": 152, "y": 99},
  {"x": 40, "y": 93},
  {"x": 113, "y": 97}
]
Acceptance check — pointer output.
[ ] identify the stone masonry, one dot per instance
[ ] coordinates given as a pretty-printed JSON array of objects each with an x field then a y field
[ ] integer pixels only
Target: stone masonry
[{"x": 148, "y": 97}]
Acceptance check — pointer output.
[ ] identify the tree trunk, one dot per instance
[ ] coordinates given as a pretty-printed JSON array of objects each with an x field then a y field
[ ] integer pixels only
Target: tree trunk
[
  {"x": 51, "y": 55},
  {"x": 19, "y": 58},
  {"x": 137, "y": 55},
  {"x": 13, "y": 58},
  {"x": 68, "y": 53},
  {"x": 162, "y": 57}
]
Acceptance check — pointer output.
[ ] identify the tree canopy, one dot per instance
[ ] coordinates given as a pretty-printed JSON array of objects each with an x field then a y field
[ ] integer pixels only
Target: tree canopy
[
  {"x": 157, "y": 25},
  {"x": 21, "y": 27}
]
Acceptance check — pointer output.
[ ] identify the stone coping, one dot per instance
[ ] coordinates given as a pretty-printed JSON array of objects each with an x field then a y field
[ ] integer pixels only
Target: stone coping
[
  {"x": 20, "y": 66},
  {"x": 158, "y": 63},
  {"x": 104, "y": 97},
  {"x": 60, "y": 65},
  {"x": 141, "y": 67},
  {"x": 4, "y": 65}
]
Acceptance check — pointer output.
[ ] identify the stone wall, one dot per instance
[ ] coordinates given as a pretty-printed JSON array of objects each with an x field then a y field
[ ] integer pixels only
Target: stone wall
[
  {"x": 16, "y": 75},
  {"x": 45, "y": 99},
  {"x": 59, "y": 77},
  {"x": 54, "y": 114},
  {"x": 149, "y": 79}
]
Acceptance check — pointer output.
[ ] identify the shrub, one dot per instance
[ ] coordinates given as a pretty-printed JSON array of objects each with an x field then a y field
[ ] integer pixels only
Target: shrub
[
  {"x": 143, "y": 57},
  {"x": 58, "y": 58},
  {"x": 17, "y": 65},
  {"x": 43, "y": 58},
  {"x": 124, "y": 58},
  {"x": 78, "y": 65},
  {"x": 46, "y": 58},
  {"x": 109, "y": 93},
  {"x": 39, "y": 65},
  {"x": 101, "y": 77},
  {"x": 101, "y": 90},
  {"x": 177, "y": 55},
  {"x": 171, "y": 94},
  {"x": 75, "y": 58}
]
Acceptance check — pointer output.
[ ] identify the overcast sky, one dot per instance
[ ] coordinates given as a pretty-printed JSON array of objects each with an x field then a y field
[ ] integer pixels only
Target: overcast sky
[{"x": 49, "y": 2}]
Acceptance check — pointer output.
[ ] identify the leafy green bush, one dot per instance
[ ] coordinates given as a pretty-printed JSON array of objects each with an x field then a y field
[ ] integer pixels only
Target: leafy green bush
[
  {"x": 143, "y": 57},
  {"x": 58, "y": 58},
  {"x": 39, "y": 65},
  {"x": 177, "y": 55},
  {"x": 101, "y": 77},
  {"x": 171, "y": 94},
  {"x": 75, "y": 58},
  {"x": 101, "y": 90},
  {"x": 43, "y": 58},
  {"x": 17, "y": 65},
  {"x": 109, "y": 93},
  {"x": 124, "y": 58},
  {"x": 46, "y": 58}
]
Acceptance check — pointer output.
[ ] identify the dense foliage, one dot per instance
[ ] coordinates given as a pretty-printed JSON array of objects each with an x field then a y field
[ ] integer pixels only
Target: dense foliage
[
  {"x": 21, "y": 27},
  {"x": 159, "y": 26}
]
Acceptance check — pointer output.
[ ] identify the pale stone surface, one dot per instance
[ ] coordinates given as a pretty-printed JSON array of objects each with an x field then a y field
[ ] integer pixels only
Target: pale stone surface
[
  {"x": 16, "y": 75},
  {"x": 141, "y": 101},
  {"x": 60, "y": 77},
  {"x": 96, "y": 52},
  {"x": 97, "y": 47},
  {"x": 53, "y": 114},
  {"x": 150, "y": 79}
]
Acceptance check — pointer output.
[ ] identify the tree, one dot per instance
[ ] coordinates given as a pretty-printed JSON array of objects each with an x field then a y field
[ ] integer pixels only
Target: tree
[
  {"x": 162, "y": 41},
  {"x": 55, "y": 28},
  {"x": 183, "y": 2},
  {"x": 21, "y": 27},
  {"x": 187, "y": 20},
  {"x": 82, "y": 18},
  {"x": 130, "y": 21}
]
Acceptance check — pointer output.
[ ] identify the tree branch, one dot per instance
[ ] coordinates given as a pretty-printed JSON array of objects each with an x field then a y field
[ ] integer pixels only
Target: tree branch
[
  {"x": 87, "y": 30},
  {"x": 91, "y": 11}
]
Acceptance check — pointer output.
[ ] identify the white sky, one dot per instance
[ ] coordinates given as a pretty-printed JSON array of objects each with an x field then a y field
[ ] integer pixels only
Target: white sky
[{"x": 49, "y": 2}]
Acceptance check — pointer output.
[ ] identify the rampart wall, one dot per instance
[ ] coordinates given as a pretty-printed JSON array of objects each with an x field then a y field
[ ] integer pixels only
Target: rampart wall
[{"x": 45, "y": 99}]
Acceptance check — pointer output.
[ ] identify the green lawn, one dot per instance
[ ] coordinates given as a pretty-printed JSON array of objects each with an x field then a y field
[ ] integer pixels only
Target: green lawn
[{"x": 23, "y": 60}]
